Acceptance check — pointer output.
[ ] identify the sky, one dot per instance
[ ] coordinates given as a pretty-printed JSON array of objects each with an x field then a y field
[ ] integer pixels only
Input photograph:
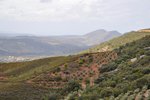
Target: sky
[{"x": 72, "y": 17}]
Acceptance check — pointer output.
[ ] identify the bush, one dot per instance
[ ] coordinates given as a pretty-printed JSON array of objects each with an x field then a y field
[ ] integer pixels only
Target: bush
[
  {"x": 52, "y": 96},
  {"x": 139, "y": 83},
  {"x": 58, "y": 78},
  {"x": 106, "y": 92},
  {"x": 146, "y": 71},
  {"x": 72, "y": 86},
  {"x": 81, "y": 61},
  {"x": 109, "y": 67}
]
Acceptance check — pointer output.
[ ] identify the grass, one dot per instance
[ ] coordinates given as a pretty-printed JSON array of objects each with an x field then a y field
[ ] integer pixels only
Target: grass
[
  {"x": 25, "y": 70},
  {"x": 21, "y": 91},
  {"x": 16, "y": 88}
]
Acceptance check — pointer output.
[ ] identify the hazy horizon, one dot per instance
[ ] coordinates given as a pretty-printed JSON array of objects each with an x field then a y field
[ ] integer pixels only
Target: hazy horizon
[
  {"x": 31, "y": 34},
  {"x": 72, "y": 17}
]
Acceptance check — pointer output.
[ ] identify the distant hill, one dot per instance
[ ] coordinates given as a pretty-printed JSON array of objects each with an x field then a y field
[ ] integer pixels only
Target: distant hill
[
  {"x": 51, "y": 45},
  {"x": 99, "y": 36},
  {"x": 119, "y": 41},
  {"x": 144, "y": 30}
]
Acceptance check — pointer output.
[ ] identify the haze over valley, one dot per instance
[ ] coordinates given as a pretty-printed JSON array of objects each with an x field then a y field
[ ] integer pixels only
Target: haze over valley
[{"x": 45, "y": 46}]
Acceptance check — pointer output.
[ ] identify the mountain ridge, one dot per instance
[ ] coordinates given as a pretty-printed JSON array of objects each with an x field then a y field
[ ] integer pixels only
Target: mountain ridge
[{"x": 50, "y": 45}]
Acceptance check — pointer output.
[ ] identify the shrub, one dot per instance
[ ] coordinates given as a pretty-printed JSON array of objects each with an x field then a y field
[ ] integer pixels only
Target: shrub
[
  {"x": 72, "y": 86},
  {"x": 139, "y": 83},
  {"x": 109, "y": 67},
  {"x": 52, "y": 96},
  {"x": 87, "y": 81},
  {"x": 81, "y": 61},
  {"x": 58, "y": 78},
  {"x": 146, "y": 71},
  {"x": 106, "y": 92},
  {"x": 57, "y": 69},
  {"x": 90, "y": 59}
]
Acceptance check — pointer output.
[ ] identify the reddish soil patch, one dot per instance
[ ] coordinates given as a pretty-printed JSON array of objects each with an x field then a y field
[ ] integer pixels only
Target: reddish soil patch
[{"x": 88, "y": 69}]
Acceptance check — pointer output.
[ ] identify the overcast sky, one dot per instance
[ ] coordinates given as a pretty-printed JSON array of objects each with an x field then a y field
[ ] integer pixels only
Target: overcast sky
[{"x": 67, "y": 17}]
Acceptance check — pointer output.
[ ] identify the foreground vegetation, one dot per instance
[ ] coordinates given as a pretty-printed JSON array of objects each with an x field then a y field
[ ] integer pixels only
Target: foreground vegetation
[
  {"x": 13, "y": 77},
  {"x": 124, "y": 77}
]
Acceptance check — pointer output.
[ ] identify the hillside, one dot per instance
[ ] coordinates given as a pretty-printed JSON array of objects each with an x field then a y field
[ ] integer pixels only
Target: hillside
[
  {"x": 51, "y": 45},
  {"x": 126, "y": 78},
  {"x": 121, "y": 73},
  {"x": 50, "y": 75},
  {"x": 119, "y": 41},
  {"x": 14, "y": 76}
]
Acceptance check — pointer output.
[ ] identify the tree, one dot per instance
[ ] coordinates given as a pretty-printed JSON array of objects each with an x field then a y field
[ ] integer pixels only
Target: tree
[{"x": 72, "y": 86}]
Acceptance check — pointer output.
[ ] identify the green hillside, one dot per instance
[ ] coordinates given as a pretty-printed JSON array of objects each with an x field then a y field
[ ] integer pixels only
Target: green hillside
[
  {"x": 24, "y": 70},
  {"x": 50, "y": 77},
  {"x": 126, "y": 78},
  {"x": 14, "y": 76},
  {"x": 117, "y": 42}
]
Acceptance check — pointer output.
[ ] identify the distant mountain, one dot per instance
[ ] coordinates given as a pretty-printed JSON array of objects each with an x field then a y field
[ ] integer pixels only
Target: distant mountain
[
  {"x": 51, "y": 45},
  {"x": 99, "y": 36},
  {"x": 119, "y": 41},
  {"x": 13, "y": 34}
]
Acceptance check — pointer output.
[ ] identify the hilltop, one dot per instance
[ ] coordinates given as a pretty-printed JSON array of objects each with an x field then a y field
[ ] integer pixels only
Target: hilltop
[
  {"x": 144, "y": 30},
  {"x": 118, "y": 41}
]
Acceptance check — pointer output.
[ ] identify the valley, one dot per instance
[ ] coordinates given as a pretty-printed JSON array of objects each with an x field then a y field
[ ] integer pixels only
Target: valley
[{"x": 24, "y": 48}]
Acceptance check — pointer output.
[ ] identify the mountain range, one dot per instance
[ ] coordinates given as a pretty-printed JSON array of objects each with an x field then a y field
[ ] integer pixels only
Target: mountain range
[{"x": 52, "y": 45}]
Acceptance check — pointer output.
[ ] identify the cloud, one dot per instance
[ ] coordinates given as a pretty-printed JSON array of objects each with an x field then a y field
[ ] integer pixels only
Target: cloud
[
  {"x": 72, "y": 16},
  {"x": 45, "y": 1},
  {"x": 50, "y": 9},
  {"x": 71, "y": 10}
]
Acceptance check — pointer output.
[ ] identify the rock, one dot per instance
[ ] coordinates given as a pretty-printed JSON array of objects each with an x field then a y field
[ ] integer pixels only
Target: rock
[
  {"x": 142, "y": 56},
  {"x": 133, "y": 60}
]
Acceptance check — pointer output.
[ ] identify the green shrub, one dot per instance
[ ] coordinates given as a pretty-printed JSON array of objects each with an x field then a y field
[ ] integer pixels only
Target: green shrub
[
  {"x": 139, "y": 83},
  {"x": 72, "y": 86},
  {"x": 109, "y": 67},
  {"x": 145, "y": 70},
  {"x": 52, "y": 96},
  {"x": 81, "y": 61},
  {"x": 106, "y": 92}
]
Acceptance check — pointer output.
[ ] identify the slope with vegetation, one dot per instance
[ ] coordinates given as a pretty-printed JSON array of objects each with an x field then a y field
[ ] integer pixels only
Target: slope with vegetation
[
  {"x": 13, "y": 77},
  {"x": 84, "y": 69},
  {"x": 124, "y": 78},
  {"x": 119, "y": 41},
  {"x": 55, "y": 75}
]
